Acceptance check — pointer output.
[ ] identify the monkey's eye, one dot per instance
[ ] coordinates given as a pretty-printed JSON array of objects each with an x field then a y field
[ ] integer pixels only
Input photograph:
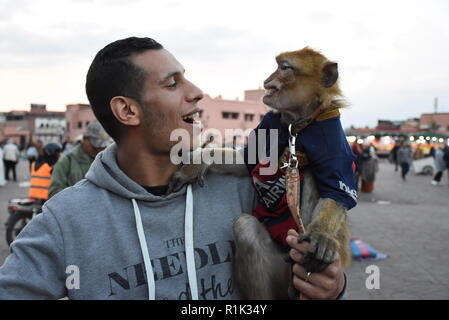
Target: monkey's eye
[{"x": 285, "y": 66}]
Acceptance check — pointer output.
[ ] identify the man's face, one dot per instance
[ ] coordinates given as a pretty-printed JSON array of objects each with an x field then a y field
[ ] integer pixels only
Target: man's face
[
  {"x": 170, "y": 101},
  {"x": 89, "y": 149}
]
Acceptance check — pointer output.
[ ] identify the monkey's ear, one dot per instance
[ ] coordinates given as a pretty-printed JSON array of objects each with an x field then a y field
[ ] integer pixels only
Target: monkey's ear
[{"x": 330, "y": 74}]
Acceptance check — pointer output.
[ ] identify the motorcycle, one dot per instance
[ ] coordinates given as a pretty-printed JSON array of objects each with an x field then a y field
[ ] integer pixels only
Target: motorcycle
[{"x": 21, "y": 211}]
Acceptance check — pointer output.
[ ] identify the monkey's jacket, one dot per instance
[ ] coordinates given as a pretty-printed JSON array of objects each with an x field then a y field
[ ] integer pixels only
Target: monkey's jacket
[{"x": 321, "y": 146}]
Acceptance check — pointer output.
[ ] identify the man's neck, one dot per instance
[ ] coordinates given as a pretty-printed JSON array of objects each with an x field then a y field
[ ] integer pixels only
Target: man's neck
[{"x": 145, "y": 168}]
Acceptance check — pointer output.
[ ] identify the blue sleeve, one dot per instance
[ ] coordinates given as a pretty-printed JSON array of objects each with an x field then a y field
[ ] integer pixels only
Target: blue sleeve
[{"x": 331, "y": 160}]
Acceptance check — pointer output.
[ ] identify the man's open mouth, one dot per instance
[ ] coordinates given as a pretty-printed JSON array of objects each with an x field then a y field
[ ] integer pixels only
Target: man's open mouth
[{"x": 191, "y": 117}]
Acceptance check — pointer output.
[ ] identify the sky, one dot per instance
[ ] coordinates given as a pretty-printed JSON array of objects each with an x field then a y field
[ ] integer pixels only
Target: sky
[{"x": 393, "y": 56}]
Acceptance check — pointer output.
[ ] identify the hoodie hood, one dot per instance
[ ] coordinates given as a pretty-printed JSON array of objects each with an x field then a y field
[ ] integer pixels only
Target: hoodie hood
[{"x": 106, "y": 174}]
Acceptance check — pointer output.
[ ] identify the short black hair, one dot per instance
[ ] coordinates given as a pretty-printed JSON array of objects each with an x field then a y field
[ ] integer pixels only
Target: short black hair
[{"x": 111, "y": 74}]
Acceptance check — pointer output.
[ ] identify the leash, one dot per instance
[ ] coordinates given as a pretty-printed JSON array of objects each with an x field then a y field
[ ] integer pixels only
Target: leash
[{"x": 293, "y": 182}]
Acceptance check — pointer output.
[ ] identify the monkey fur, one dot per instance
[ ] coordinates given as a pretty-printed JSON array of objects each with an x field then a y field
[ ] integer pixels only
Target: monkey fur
[{"x": 304, "y": 81}]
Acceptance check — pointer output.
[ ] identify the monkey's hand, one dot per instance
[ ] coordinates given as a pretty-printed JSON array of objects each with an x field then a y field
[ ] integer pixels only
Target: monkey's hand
[
  {"x": 323, "y": 234},
  {"x": 220, "y": 160},
  {"x": 190, "y": 173}
]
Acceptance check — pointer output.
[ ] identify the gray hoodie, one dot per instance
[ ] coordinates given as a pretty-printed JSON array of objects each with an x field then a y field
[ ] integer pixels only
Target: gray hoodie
[{"x": 89, "y": 232}]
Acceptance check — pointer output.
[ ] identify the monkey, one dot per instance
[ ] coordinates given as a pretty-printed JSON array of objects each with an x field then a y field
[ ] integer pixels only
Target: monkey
[{"x": 302, "y": 91}]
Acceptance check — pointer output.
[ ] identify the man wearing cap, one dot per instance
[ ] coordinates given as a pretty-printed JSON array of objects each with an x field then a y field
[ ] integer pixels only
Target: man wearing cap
[{"x": 73, "y": 166}]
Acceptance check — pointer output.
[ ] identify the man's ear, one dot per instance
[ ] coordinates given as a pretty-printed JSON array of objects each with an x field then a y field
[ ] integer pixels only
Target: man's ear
[
  {"x": 126, "y": 110},
  {"x": 330, "y": 74}
]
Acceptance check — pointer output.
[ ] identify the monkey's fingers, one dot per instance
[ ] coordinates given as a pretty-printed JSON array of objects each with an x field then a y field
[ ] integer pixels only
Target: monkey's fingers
[
  {"x": 323, "y": 256},
  {"x": 304, "y": 237},
  {"x": 313, "y": 262},
  {"x": 326, "y": 251},
  {"x": 202, "y": 174}
]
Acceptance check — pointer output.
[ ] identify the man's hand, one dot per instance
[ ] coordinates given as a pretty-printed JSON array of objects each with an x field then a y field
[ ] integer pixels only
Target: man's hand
[{"x": 324, "y": 285}]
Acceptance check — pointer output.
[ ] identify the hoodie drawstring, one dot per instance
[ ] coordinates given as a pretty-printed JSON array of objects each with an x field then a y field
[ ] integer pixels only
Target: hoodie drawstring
[
  {"x": 145, "y": 253},
  {"x": 188, "y": 240},
  {"x": 190, "y": 253}
]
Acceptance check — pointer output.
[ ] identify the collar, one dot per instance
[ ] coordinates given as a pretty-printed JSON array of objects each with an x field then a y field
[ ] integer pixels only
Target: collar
[{"x": 320, "y": 114}]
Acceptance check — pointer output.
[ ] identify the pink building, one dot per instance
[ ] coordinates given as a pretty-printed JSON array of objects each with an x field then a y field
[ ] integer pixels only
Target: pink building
[
  {"x": 435, "y": 122},
  {"x": 78, "y": 117},
  {"x": 222, "y": 114}
]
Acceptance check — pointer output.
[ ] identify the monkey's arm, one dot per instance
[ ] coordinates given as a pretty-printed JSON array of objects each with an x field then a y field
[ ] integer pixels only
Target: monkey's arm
[
  {"x": 328, "y": 233},
  {"x": 219, "y": 160}
]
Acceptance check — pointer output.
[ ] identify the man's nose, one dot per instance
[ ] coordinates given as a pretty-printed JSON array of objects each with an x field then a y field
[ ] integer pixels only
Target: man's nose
[{"x": 194, "y": 93}]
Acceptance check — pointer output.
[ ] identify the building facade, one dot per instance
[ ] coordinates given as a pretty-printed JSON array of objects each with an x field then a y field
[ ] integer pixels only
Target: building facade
[
  {"x": 20, "y": 126},
  {"x": 227, "y": 118},
  {"x": 435, "y": 122},
  {"x": 77, "y": 116}
]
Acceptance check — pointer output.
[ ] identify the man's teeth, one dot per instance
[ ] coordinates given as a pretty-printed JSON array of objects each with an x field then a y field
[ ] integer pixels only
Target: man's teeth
[{"x": 191, "y": 117}]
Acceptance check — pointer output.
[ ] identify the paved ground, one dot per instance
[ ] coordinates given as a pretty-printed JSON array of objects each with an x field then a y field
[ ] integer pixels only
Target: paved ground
[
  {"x": 413, "y": 230},
  {"x": 408, "y": 221}
]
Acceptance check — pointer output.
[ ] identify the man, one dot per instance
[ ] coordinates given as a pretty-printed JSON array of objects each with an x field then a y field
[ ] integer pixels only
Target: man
[
  {"x": 440, "y": 164},
  {"x": 405, "y": 159},
  {"x": 31, "y": 153},
  {"x": 10, "y": 158},
  {"x": 2, "y": 169},
  {"x": 73, "y": 167},
  {"x": 119, "y": 230},
  {"x": 41, "y": 170},
  {"x": 394, "y": 155},
  {"x": 446, "y": 157}
]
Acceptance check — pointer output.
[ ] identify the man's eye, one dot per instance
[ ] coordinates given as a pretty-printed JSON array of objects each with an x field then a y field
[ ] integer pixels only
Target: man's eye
[{"x": 173, "y": 85}]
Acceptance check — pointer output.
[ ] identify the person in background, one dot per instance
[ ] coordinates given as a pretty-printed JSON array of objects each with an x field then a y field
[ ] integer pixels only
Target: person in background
[
  {"x": 357, "y": 149},
  {"x": 419, "y": 153},
  {"x": 67, "y": 146},
  {"x": 2, "y": 169},
  {"x": 405, "y": 159},
  {"x": 31, "y": 153},
  {"x": 10, "y": 158},
  {"x": 41, "y": 171},
  {"x": 446, "y": 157},
  {"x": 73, "y": 166},
  {"x": 369, "y": 168},
  {"x": 394, "y": 155},
  {"x": 40, "y": 147},
  {"x": 440, "y": 164}
]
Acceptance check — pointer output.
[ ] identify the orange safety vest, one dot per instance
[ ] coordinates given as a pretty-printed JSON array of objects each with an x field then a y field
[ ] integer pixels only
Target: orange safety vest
[{"x": 40, "y": 181}]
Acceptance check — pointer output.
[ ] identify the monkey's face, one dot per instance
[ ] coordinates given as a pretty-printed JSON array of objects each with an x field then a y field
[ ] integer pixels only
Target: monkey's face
[{"x": 299, "y": 80}]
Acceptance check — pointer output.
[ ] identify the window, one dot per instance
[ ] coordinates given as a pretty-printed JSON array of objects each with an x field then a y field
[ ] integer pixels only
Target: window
[
  {"x": 80, "y": 124},
  {"x": 230, "y": 115},
  {"x": 249, "y": 117},
  {"x": 87, "y": 123},
  {"x": 261, "y": 117}
]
